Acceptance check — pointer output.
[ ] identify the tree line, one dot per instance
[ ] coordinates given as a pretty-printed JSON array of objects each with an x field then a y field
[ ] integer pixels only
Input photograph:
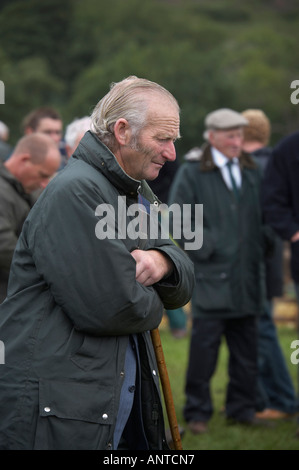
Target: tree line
[{"x": 209, "y": 54}]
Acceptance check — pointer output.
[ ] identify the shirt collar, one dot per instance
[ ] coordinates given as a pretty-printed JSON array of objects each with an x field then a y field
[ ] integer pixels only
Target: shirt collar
[{"x": 220, "y": 159}]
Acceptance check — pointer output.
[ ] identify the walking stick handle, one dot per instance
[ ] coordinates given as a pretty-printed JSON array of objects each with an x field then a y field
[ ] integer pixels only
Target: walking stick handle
[{"x": 174, "y": 428}]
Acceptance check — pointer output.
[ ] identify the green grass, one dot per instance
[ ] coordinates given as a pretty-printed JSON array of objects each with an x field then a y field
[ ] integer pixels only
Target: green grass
[{"x": 280, "y": 435}]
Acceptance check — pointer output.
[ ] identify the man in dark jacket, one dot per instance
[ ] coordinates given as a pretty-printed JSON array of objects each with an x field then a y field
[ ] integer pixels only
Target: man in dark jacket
[
  {"x": 87, "y": 285},
  {"x": 276, "y": 397},
  {"x": 281, "y": 196},
  {"x": 34, "y": 160},
  {"x": 228, "y": 292},
  {"x": 281, "y": 201}
]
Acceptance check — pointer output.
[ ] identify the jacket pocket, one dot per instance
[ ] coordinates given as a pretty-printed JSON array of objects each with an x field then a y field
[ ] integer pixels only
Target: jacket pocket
[
  {"x": 73, "y": 416},
  {"x": 212, "y": 291}
]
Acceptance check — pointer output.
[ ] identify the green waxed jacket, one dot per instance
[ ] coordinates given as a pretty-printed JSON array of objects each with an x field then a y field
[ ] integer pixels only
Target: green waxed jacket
[
  {"x": 72, "y": 303},
  {"x": 228, "y": 266}
]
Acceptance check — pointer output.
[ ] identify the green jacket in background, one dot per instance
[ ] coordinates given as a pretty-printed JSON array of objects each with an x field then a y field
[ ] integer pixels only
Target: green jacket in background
[
  {"x": 15, "y": 205},
  {"x": 73, "y": 301},
  {"x": 228, "y": 266}
]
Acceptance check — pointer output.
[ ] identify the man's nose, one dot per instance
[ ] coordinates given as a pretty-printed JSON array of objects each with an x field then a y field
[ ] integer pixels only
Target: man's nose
[{"x": 169, "y": 152}]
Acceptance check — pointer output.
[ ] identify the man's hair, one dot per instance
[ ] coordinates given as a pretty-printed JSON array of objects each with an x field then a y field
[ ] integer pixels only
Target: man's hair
[
  {"x": 4, "y": 131},
  {"x": 259, "y": 127},
  {"x": 75, "y": 128},
  {"x": 127, "y": 99},
  {"x": 37, "y": 145},
  {"x": 33, "y": 118}
]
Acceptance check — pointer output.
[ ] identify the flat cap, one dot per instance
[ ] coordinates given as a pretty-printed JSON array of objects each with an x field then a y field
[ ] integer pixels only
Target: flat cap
[{"x": 225, "y": 118}]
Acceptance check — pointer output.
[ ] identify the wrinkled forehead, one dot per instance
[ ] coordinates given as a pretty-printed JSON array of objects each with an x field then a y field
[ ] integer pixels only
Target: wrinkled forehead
[{"x": 163, "y": 109}]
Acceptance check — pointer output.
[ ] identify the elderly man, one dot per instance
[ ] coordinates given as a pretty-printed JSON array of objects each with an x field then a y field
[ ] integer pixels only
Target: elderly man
[
  {"x": 34, "y": 160},
  {"x": 227, "y": 296},
  {"x": 74, "y": 133},
  {"x": 80, "y": 369}
]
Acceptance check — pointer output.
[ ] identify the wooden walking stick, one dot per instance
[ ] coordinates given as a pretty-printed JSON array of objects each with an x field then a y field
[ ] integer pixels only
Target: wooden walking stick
[{"x": 174, "y": 428}]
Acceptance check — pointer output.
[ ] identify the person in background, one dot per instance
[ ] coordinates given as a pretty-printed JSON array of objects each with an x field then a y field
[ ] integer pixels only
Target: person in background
[
  {"x": 276, "y": 397},
  {"x": 280, "y": 201},
  {"x": 228, "y": 294},
  {"x": 85, "y": 292},
  {"x": 5, "y": 148},
  {"x": 46, "y": 120},
  {"x": 161, "y": 186},
  {"x": 74, "y": 133},
  {"x": 33, "y": 161}
]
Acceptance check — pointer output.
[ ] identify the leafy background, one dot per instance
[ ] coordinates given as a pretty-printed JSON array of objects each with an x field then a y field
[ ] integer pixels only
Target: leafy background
[{"x": 208, "y": 53}]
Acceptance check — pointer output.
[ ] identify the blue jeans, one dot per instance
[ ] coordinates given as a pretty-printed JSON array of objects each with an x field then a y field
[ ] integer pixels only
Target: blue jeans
[{"x": 275, "y": 388}]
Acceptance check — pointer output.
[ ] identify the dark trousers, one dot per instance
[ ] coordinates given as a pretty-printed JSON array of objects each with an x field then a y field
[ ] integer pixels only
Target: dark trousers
[
  {"x": 241, "y": 338},
  {"x": 275, "y": 387}
]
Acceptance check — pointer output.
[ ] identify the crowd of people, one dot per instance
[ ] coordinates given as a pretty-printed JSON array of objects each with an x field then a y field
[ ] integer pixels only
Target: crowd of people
[{"x": 77, "y": 308}]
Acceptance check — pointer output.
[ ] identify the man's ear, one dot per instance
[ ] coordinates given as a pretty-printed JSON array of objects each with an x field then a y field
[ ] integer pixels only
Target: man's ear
[
  {"x": 25, "y": 158},
  {"x": 122, "y": 131},
  {"x": 28, "y": 130}
]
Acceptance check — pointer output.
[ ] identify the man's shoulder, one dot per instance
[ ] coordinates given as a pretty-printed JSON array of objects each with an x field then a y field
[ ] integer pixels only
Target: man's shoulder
[
  {"x": 290, "y": 143},
  {"x": 8, "y": 189},
  {"x": 194, "y": 155}
]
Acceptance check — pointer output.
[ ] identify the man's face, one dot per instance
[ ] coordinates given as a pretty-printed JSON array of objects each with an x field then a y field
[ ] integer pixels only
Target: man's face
[
  {"x": 155, "y": 143},
  {"x": 229, "y": 141},
  {"x": 51, "y": 127},
  {"x": 38, "y": 176}
]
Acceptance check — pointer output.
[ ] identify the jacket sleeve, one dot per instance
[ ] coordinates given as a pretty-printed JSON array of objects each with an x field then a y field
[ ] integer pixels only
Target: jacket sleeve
[
  {"x": 176, "y": 290},
  {"x": 277, "y": 198},
  {"x": 92, "y": 280}
]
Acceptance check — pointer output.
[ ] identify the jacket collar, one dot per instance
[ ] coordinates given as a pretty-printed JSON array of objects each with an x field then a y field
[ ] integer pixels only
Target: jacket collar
[
  {"x": 95, "y": 153},
  {"x": 206, "y": 162},
  {"x": 8, "y": 176}
]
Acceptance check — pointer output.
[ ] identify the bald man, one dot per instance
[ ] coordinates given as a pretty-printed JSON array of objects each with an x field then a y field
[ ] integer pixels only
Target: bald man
[{"x": 33, "y": 162}]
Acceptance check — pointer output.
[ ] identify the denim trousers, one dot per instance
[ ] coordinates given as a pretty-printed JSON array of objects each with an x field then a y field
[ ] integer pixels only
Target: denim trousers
[{"x": 275, "y": 388}]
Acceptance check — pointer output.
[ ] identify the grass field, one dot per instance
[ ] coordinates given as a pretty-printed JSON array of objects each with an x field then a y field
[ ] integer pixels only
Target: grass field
[{"x": 280, "y": 435}]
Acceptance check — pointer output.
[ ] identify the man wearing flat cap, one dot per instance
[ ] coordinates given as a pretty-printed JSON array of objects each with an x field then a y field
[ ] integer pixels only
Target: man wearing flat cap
[{"x": 228, "y": 294}]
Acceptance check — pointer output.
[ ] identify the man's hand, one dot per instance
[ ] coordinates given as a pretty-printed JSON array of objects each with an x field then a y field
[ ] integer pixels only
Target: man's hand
[{"x": 151, "y": 266}]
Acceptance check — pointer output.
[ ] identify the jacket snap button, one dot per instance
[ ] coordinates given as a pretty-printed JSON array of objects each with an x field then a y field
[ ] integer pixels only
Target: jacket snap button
[
  {"x": 105, "y": 416},
  {"x": 154, "y": 372},
  {"x": 47, "y": 409}
]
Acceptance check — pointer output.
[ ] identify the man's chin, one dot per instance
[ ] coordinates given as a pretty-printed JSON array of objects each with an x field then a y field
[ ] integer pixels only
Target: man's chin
[{"x": 153, "y": 176}]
